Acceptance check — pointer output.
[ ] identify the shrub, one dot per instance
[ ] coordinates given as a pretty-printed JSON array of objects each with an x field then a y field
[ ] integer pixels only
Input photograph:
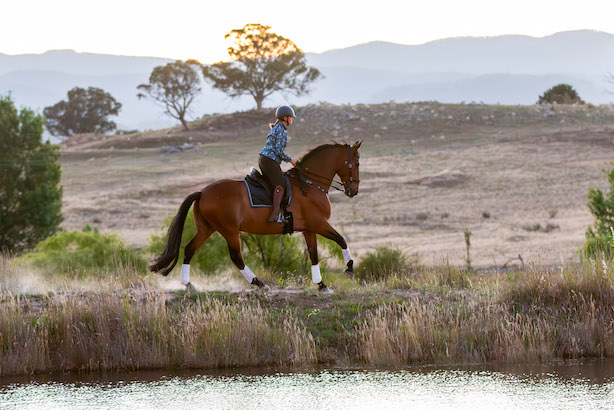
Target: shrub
[
  {"x": 600, "y": 237},
  {"x": 560, "y": 94},
  {"x": 81, "y": 252},
  {"x": 382, "y": 263}
]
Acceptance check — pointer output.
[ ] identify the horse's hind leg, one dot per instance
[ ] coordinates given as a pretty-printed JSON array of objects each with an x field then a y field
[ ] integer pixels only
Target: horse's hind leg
[
  {"x": 311, "y": 240},
  {"x": 203, "y": 232},
  {"x": 234, "y": 247}
]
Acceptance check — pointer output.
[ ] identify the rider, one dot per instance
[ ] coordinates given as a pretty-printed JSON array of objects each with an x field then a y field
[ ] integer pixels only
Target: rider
[{"x": 273, "y": 153}]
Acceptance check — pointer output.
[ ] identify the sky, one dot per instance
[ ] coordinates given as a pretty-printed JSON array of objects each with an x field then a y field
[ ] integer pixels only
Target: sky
[{"x": 183, "y": 29}]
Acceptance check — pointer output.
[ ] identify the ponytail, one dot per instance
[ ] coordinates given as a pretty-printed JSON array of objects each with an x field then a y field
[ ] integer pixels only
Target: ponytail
[{"x": 276, "y": 122}]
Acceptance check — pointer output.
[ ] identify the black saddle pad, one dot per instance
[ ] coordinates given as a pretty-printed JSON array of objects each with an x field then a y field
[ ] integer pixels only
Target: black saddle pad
[{"x": 260, "y": 192}]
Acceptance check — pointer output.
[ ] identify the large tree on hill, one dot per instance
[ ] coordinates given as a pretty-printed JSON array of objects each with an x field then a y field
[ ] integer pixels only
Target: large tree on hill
[
  {"x": 261, "y": 63},
  {"x": 174, "y": 86},
  {"x": 83, "y": 111},
  {"x": 30, "y": 198},
  {"x": 560, "y": 94}
]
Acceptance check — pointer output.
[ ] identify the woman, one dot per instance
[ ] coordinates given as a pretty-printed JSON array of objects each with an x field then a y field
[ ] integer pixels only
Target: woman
[{"x": 273, "y": 153}]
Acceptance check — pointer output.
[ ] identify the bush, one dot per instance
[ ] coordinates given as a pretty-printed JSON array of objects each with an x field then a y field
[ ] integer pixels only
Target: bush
[
  {"x": 381, "y": 264},
  {"x": 77, "y": 253},
  {"x": 600, "y": 237},
  {"x": 560, "y": 94}
]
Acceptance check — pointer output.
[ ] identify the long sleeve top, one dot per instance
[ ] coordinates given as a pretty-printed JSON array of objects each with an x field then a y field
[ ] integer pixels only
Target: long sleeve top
[{"x": 276, "y": 143}]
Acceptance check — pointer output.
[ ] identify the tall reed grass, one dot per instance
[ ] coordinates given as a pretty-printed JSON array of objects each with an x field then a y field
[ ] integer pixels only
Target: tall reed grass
[
  {"x": 110, "y": 331},
  {"x": 527, "y": 316}
]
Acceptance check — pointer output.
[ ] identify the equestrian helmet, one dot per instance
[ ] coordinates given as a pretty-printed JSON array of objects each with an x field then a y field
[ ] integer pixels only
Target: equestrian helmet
[{"x": 284, "y": 111}]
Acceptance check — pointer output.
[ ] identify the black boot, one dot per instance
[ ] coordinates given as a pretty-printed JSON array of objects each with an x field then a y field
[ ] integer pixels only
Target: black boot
[{"x": 277, "y": 196}]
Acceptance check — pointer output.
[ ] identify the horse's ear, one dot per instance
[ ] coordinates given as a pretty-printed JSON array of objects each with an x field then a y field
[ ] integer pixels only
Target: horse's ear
[{"x": 358, "y": 144}]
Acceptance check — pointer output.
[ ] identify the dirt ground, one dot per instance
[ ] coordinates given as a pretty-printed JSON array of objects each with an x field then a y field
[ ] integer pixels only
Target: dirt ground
[{"x": 515, "y": 177}]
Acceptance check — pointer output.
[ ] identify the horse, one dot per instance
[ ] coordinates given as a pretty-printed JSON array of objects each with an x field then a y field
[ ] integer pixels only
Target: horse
[{"x": 224, "y": 206}]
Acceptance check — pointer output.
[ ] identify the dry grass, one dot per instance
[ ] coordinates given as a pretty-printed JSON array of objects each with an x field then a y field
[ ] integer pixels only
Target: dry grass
[
  {"x": 127, "y": 332},
  {"x": 537, "y": 315},
  {"x": 128, "y": 322}
]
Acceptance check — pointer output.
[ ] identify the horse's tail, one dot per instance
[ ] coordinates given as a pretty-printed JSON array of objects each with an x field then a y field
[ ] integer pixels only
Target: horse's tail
[{"x": 168, "y": 259}]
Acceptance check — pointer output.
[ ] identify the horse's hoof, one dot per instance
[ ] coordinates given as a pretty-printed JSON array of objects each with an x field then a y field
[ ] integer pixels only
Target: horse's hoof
[
  {"x": 324, "y": 289},
  {"x": 350, "y": 274},
  {"x": 190, "y": 288},
  {"x": 260, "y": 284}
]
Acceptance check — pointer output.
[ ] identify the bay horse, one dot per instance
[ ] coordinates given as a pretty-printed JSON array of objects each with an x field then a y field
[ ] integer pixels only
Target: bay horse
[{"x": 224, "y": 207}]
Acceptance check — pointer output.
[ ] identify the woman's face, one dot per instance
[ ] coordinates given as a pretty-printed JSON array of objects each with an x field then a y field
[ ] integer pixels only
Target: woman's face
[{"x": 289, "y": 120}]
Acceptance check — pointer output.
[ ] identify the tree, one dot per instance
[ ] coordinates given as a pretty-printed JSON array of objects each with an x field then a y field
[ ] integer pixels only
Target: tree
[
  {"x": 84, "y": 111},
  {"x": 600, "y": 237},
  {"x": 174, "y": 86},
  {"x": 261, "y": 63},
  {"x": 30, "y": 198},
  {"x": 560, "y": 94}
]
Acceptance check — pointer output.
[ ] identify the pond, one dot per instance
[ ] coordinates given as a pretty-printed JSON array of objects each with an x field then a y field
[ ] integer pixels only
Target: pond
[{"x": 559, "y": 385}]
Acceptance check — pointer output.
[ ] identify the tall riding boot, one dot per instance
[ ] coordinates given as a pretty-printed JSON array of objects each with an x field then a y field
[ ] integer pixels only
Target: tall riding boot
[{"x": 278, "y": 194}]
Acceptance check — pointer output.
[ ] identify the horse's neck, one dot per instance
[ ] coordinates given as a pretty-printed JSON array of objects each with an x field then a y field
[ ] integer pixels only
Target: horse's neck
[{"x": 322, "y": 168}]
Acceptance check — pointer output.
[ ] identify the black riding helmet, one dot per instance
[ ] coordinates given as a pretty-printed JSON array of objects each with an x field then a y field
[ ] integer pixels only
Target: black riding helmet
[{"x": 284, "y": 111}]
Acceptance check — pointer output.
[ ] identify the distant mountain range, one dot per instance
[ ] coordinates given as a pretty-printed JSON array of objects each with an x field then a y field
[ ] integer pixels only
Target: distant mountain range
[{"x": 509, "y": 69}]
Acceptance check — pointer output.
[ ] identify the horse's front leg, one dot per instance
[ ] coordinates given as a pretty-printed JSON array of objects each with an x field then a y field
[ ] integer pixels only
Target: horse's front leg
[
  {"x": 330, "y": 233},
  {"x": 312, "y": 246}
]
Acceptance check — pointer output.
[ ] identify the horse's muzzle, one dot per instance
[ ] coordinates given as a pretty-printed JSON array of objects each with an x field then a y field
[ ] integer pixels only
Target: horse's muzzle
[{"x": 351, "y": 190}]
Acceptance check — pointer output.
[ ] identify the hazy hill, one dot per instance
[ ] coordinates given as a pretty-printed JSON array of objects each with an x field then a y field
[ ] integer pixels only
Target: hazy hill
[
  {"x": 505, "y": 69},
  {"x": 579, "y": 52},
  {"x": 71, "y": 62}
]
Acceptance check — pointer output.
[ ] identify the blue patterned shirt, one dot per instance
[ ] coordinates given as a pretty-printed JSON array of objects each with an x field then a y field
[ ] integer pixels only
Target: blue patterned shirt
[{"x": 276, "y": 143}]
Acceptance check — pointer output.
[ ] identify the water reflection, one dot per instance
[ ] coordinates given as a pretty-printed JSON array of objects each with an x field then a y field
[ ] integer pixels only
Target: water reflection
[{"x": 563, "y": 385}]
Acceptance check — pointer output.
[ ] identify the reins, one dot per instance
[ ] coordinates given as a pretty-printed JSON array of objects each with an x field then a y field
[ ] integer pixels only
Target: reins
[{"x": 324, "y": 180}]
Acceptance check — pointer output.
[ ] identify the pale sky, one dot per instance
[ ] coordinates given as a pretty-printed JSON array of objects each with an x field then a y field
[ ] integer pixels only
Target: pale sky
[{"x": 184, "y": 29}]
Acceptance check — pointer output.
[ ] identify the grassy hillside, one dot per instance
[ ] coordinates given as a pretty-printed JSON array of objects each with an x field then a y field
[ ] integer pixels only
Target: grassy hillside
[{"x": 515, "y": 176}]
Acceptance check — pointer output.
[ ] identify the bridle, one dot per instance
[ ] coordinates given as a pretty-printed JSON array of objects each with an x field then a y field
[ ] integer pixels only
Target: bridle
[{"x": 345, "y": 184}]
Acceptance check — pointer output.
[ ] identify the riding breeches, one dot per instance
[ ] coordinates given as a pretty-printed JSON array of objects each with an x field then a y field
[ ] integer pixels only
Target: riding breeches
[{"x": 271, "y": 169}]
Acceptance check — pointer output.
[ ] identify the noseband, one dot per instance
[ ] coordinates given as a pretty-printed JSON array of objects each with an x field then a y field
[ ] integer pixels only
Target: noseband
[{"x": 346, "y": 184}]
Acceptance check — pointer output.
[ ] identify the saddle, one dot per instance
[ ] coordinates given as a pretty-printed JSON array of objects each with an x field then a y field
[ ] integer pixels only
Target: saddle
[{"x": 260, "y": 191}]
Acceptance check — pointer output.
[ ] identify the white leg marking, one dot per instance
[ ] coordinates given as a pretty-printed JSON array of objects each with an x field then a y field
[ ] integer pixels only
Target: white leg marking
[
  {"x": 316, "y": 277},
  {"x": 347, "y": 255},
  {"x": 248, "y": 274},
  {"x": 185, "y": 274}
]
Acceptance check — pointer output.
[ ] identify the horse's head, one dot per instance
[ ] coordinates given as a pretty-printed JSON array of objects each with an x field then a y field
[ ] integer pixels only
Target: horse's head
[{"x": 348, "y": 171}]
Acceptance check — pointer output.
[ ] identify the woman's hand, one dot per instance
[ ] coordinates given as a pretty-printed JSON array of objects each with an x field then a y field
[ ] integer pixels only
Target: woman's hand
[{"x": 293, "y": 161}]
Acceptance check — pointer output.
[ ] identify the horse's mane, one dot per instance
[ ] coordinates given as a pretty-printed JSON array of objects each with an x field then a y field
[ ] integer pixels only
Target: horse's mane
[
  {"x": 298, "y": 173},
  {"x": 315, "y": 151}
]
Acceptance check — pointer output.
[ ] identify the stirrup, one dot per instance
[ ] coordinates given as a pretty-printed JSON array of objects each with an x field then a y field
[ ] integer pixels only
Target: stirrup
[{"x": 280, "y": 219}]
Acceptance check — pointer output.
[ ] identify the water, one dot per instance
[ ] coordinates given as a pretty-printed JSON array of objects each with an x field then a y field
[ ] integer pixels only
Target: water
[{"x": 560, "y": 386}]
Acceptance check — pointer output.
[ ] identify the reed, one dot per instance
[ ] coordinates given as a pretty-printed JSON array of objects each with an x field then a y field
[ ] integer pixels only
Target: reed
[
  {"x": 536, "y": 315},
  {"x": 111, "y": 331}
]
